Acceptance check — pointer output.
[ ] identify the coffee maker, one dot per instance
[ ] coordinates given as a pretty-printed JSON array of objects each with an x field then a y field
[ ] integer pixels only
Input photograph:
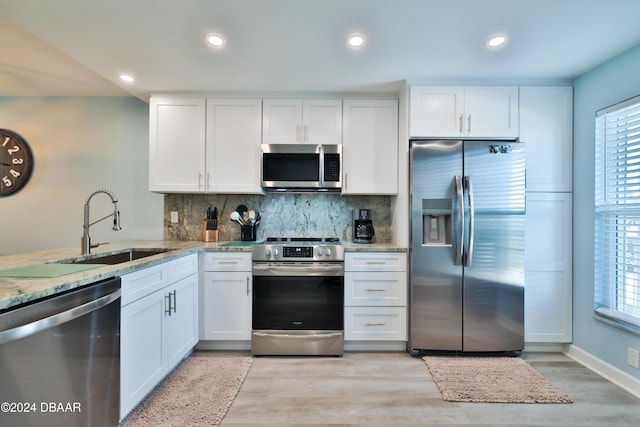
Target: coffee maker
[{"x": 362, "y": 226}]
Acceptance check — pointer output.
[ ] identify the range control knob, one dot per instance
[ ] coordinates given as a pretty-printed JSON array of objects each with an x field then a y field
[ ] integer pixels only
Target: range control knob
[
  {"x": 276, "y": 252},
  {"x": 267, "y": 252}
]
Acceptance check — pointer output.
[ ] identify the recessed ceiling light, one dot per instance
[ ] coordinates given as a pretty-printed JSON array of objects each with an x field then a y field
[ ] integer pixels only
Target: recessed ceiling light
[
  {"x": 497, "y": 41},
  {"x": 355, "y": 40},
  {"x": 127, "y": 78},
  {"x": 215, "y": 40}
]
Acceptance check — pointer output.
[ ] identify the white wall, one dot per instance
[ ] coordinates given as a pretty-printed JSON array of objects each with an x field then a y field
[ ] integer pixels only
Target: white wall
[{"x": 80, "y": 144}]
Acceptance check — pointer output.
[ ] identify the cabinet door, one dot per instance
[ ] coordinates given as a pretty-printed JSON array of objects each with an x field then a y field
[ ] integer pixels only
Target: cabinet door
[
  {"x": 491, "y": 111},
  {"x": 281, "y": 121},
  {"x": 548, "y": 276},
  {"x": 234, "y": 129},
  {"x": 546, "y": 126},
  {"x": 322, "y": 121},
  {"x": 226, "y": 306},
  {"x": 436, "y": 111},
  {"x": 142, "y": 341},
  {"x": 370, "y": 146},
  {"x": 177, "y": 144},
  {"x": 182, "y": 320}
]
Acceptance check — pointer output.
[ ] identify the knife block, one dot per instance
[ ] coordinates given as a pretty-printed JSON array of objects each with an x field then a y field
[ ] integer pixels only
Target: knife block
[{"x": 208, "y": 235}]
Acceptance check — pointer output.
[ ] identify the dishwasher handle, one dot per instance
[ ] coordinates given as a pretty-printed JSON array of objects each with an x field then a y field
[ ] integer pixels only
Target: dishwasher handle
[{"x": 57, "y": 319}]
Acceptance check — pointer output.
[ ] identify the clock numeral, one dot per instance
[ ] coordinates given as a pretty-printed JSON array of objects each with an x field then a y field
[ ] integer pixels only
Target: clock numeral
[
  {"x": 5, "y": 141},
  {"x": 13, "y": 150},
  {"x": 15, "y": 173},
  {"x": 17, "y": 161},
  {"x": 7, "y": 182}
]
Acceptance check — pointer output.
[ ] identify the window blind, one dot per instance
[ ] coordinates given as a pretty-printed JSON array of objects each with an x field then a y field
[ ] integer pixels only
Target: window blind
[{"x": 617, "y": 213}]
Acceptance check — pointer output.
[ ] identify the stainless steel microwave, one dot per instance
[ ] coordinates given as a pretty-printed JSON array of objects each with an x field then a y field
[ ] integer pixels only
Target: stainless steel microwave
[{"x": 301, "y": 167}]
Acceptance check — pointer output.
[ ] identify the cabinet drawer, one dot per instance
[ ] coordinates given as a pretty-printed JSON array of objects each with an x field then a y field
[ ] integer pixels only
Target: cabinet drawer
[
  {"x": 182, "y": 267},
  {"x": 375, "y": 323},
  {"x": 377, "y": 288},
  {"x": 227, "y": 261},
  {"x": 143, "y": 282},
  {"x": 375, "y": 261}
]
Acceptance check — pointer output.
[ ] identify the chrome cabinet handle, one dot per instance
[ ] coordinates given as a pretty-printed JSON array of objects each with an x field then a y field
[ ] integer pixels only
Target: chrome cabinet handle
[
  {"x": 175, "y": 301},
  {"x": 376, "y": 324},
  {"x": 375, "y": 290},
  {"x": 469, "y": 124},
  {"x": 167, "y": 304},
  {"x": 247, "y": 285},
  {"x": 460, "y": 128}
]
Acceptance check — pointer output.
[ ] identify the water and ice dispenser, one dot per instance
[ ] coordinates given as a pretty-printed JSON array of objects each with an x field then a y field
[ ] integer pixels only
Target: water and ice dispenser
[{"x": 436, "y": 222}]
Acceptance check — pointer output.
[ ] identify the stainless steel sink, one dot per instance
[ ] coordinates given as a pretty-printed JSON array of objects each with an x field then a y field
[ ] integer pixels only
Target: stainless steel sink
[{"x": 115, "y": 258}]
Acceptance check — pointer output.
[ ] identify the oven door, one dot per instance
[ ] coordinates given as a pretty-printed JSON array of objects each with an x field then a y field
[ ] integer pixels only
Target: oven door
[
  {"x": 298, "y": 296},
  {"x": 298, "y": 309}
]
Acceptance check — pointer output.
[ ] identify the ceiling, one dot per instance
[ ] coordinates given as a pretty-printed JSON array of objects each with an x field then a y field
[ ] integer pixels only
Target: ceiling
[{"x": 79, "y": 48}]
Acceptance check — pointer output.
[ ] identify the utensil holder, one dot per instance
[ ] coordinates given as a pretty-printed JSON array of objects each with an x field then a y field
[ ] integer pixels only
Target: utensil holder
[
  {"x": 248, "y": 233},
  {"x": 208, "y": 235}
]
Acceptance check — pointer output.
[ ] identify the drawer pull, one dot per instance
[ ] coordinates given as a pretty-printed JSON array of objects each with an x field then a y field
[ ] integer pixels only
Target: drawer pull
[
  {"x": 376, "y": 262},
  {"x": 375, "y": 290},
  {"x": 227, "y": 262},
  {"x": 376, "y": 324}
]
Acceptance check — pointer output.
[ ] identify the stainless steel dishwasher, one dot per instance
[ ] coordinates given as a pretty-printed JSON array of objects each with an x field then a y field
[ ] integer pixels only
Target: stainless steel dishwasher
[{"x": 60, "y": 359}]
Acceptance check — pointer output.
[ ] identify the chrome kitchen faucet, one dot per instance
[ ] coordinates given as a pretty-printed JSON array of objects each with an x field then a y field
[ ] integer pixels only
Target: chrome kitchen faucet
[{"x": 86, "y": 240}]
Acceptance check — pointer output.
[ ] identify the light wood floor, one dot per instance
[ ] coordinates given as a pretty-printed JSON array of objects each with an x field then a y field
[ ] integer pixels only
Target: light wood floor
[{"x": 395, "y": 389}]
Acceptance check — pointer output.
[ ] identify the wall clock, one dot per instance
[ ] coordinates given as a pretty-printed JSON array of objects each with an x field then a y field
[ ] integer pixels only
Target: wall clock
[{"x": 16, "y": 162}]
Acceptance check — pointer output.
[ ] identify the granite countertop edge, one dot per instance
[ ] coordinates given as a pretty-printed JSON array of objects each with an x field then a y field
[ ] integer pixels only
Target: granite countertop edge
[{"x": 17, "y": 291}]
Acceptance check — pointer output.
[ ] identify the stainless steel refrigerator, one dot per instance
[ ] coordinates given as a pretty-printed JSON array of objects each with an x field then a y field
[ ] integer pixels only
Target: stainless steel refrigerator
[{"x": 467, "y": 245}]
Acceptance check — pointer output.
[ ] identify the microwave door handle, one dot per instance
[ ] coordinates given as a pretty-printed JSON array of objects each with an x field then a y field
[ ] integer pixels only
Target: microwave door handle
[{"x": 321, "y": 165}]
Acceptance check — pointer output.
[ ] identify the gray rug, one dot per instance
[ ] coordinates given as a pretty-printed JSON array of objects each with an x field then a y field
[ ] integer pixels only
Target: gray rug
[
  {"x": 198, "y": 392},
  {"x": 491, "y": 380}
]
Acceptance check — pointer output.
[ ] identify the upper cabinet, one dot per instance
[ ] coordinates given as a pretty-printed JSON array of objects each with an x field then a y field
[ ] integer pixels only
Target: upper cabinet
[
  {"x": 302, "y": 121},
  {"x": 463, "y": 111},
  {"x": 370, "y": 146},
  {"x": 546, "y": 126},
  {"x": 198, "y": 145},
  {"x": 233, "y": 145},
  {"x": 177, "y": 144}
]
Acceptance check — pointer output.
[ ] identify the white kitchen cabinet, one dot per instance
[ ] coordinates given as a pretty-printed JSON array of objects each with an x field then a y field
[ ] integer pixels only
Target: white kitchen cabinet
[
  {"x": 158, "y": 328},
  {"x": 177, "y": 145},
  {"x": 546, "y": 126},
  {"x": 302, "y": 121},
  {"x": 375, "y": 287},
  {"x": 463, "y": 111},
  {"x": 205, "y": 146},
  {"x": 548, "y": 268},
  {"x": 370, "y": 146},
  {"x": 226, "y": 298},
  {"x": 233, "y": 145}
]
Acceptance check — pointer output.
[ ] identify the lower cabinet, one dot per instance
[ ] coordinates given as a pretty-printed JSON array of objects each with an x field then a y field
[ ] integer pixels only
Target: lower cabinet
[
  {"x": 158, "y": 328},
  {"x": 375, "y": 312},
  {"x": 226, "y": 301}
]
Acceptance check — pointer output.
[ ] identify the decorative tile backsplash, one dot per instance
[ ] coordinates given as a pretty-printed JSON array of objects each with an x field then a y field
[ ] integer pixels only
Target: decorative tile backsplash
[{"x": 283, "y": 215}]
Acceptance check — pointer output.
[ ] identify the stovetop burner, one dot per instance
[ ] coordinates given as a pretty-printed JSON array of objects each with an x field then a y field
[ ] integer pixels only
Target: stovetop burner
[{"x": 303, "y": 239}]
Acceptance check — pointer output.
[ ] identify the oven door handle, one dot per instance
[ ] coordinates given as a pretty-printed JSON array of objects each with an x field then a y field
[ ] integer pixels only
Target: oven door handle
[
  {"x": 298, "y": 337},
  {"x": 296, "y": 270}
]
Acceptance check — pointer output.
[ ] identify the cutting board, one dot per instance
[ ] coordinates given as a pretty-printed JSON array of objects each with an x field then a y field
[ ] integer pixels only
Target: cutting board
[{"x": 46, "y": 270}]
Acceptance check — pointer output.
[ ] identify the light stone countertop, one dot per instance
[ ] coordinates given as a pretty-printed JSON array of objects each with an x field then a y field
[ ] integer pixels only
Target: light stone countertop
[{"x": 15, "y": 291}]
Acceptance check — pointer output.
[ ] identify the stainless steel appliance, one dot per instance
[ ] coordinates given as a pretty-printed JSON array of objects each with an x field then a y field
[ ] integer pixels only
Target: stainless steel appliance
[
  {"x": 363, "y": 231},
  {"x": 301, "y": 167},
  {"x": 298, "y": 297},
  {"x": 467, "y": 245},
  {"x": 60, "y": 359}
]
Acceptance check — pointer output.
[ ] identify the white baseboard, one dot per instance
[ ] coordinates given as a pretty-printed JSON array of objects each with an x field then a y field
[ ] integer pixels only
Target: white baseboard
[
  {"x": 552, "y": 347},
  {"x": 604, "y": 369}
]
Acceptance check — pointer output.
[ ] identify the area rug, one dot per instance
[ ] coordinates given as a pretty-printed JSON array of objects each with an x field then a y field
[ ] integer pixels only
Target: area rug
[
  {"x": 198, "y": 392},
  {"x": 491, "y": 380}
]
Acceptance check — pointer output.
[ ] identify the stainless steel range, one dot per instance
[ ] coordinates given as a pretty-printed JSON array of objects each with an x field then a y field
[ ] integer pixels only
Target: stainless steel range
[{"x": 298, "y": 297}]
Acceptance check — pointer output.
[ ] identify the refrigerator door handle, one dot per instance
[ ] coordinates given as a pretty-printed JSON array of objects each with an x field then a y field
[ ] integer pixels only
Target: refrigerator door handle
[
  {"x": 469, "y": 251},
  {"x": 459, "y": 223}
]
